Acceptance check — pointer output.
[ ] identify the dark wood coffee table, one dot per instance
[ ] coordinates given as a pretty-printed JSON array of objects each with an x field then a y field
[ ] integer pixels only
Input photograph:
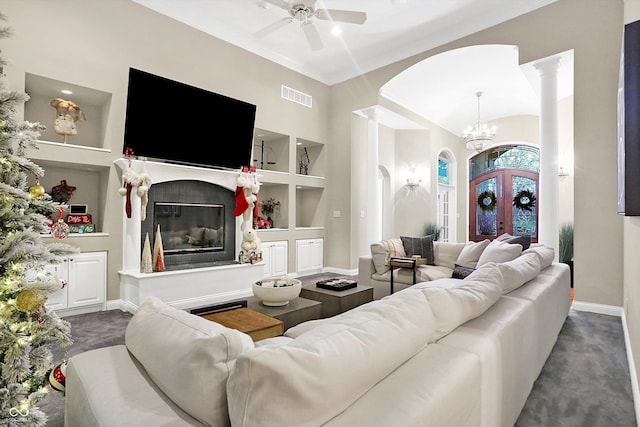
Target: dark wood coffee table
[
  {"x": 336, "y": 302},
  {"x": 297, "y": 311}
]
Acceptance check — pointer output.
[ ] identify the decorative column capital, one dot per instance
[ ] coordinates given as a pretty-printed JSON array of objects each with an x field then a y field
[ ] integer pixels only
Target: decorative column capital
[{"x": 550, "y": 64}]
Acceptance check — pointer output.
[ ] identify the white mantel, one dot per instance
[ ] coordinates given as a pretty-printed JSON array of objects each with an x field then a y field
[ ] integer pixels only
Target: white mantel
[{"x": 181, "y": 288}]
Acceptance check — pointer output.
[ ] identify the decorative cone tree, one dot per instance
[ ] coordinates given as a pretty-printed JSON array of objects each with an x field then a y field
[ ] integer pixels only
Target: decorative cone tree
[{"x": 27, "y": 330}]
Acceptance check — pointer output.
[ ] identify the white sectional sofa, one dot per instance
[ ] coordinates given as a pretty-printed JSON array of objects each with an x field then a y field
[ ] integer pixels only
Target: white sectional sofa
[{"x": 449, "y": 352}]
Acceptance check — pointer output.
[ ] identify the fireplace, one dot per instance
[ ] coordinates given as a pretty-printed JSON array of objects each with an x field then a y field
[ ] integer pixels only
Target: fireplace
[
  {"x": 196, "y": 222},
  {"x": 194, "y": 278}
]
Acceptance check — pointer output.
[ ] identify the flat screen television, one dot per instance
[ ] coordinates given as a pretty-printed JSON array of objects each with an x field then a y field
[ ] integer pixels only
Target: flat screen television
[{"x": 172, "y": 121}]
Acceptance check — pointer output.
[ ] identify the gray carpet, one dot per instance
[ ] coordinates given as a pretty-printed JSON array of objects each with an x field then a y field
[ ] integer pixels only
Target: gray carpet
[{"x": 585, "y": 381}]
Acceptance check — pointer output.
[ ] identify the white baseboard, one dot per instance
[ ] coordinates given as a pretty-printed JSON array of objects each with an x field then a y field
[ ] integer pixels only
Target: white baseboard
[{"x": 610, "y": 310}]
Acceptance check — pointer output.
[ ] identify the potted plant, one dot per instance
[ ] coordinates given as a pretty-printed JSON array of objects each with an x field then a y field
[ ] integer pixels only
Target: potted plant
[
  {"x": 565, "y": 254},
  {"x": 432, "y": 229},
  {"x": 268, "y": 208}
]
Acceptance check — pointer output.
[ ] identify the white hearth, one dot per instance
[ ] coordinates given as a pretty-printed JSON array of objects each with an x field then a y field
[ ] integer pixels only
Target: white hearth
[{"x": 188, "y": 288}]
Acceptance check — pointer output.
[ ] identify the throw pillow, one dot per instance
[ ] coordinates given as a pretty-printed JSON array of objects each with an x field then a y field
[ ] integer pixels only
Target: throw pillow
[
  {"x": 188, "y": 357},
  {"x": 422, "y": 246},
  {"x": 381, "y": 253},
  {"x": 460, "y": 271},
  {"x": 473, "y": 296},
  {"x": 525, "y": 241},
  {"x": 498, "y": 251},
  {"x": 471, "y": 252},
  {"x": 446, "y": 253}
]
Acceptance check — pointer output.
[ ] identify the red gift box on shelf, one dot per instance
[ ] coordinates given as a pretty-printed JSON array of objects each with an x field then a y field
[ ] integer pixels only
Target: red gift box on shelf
[{"x": 78, "y": 219}]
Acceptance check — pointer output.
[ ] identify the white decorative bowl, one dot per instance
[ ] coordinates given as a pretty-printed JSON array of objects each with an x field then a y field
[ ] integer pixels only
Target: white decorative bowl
[{"x": 273, "y": 294}]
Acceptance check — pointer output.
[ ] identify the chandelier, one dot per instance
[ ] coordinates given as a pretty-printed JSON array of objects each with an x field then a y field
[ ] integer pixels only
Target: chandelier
[{"x": 480, "y": 133}]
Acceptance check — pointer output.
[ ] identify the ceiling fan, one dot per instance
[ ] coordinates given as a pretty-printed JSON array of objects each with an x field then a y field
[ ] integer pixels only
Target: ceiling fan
[{"x": 303, "y": 11}]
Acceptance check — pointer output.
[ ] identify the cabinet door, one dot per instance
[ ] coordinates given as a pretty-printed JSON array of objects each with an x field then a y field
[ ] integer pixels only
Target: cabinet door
[
  {"x": 279, "y": 259},
  {"x": 309, "y": 255},
  {"x": 274, "y": 255},
  {"x": 87, "y": 278},
  {"x": 58, "y": 300}
]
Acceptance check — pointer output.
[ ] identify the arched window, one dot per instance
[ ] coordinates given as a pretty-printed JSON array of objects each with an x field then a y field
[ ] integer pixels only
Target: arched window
[{"x": 446, "y": 197}]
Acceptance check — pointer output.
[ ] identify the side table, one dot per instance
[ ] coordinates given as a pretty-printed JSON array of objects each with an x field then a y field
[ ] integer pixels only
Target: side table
[
  {"x": 336, "y": 302},
  {"x": 402, "y": 263},
  {"x": 297, "y": 311}
]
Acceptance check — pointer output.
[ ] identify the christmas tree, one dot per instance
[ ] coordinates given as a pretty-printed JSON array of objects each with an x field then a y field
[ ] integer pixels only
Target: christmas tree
[{"x": 27, "y": 330}]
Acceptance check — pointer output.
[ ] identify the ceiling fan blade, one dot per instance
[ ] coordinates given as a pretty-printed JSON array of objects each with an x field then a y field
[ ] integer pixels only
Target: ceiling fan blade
[
  {"x": 272, "y": 27},
  {"x": 280, "y": 3},
  {"x": 348, "y": 16},
  {"x": 313, "y": 37}
]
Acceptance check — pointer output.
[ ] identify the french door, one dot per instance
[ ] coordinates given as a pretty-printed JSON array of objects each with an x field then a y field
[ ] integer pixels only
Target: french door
[{"x": 503, "y": 201}]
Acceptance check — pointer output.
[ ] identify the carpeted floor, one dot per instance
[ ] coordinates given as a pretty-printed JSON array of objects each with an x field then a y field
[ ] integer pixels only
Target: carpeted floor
[{"x": 585, "y": 381}]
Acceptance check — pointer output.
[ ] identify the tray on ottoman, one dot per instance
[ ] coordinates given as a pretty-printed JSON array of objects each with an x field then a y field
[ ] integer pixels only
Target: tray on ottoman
[{"x": 336, "y": 284}]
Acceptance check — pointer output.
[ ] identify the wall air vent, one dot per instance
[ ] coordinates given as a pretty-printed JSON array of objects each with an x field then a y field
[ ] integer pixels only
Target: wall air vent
[{"x": 297, "y": 96}]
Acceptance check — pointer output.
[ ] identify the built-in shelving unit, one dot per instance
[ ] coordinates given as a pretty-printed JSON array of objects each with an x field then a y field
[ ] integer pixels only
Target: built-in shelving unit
[
  {"x": 291, "y": 170},
  {"x": 84, "y": 160}
]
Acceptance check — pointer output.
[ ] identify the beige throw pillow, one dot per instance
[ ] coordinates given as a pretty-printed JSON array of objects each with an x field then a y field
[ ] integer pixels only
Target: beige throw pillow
[
  {"x": 188, "y": 357},
  {"x": 471, "y": 252},
  {"x": 499, "y": 251}
]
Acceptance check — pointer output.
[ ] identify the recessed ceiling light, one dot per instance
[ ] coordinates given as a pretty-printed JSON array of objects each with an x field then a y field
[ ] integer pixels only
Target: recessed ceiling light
[
  {"x": 66, "y": 91},
  {"x": 336, "y": 30},
  {"x": 298, "y": 143}
]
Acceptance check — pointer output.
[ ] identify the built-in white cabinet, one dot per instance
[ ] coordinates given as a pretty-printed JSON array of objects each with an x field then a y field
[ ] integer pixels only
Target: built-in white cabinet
[
  {"x": 309, "y": 256},
  {"x": 274, "y": 255},
  {"x": 85, "y": 278}
]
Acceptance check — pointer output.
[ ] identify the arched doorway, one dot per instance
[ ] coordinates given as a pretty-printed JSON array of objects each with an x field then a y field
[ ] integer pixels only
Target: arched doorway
[{"x": 503, "y": 192}]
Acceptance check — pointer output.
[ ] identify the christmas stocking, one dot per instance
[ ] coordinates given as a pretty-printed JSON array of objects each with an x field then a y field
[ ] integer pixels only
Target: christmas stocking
[{"x": 241, "y": 202}]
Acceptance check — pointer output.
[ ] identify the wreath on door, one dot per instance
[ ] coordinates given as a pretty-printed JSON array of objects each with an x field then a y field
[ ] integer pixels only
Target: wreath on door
[
  {"x": 525, "y": 200},
  {"x": 487, "y": 201}
]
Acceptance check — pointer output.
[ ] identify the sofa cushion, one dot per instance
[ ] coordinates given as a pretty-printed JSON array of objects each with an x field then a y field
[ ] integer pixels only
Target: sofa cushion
[
  {"x": 422, "y": 246},
  {"x": 546, "y": 254},
  {"x": 525, "y": 241},
  {"x": 324, "y": 370},
  {"x": 453, "y": 306},
  {"x": 381, "y": 253},
  {"x": 498, "y": 251},
  {"x": 471, "y": 252},
  {"x": 461, "y": 272},
  {"x": 446, "y": 253},
  {"x": 519, "y": 271},
  {"x": 188, "y": 357}
]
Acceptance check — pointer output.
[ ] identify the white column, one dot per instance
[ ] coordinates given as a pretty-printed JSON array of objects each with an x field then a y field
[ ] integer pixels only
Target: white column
[
  {"x": 372, "y": 213},
  {"x": 548, "y": 201}
]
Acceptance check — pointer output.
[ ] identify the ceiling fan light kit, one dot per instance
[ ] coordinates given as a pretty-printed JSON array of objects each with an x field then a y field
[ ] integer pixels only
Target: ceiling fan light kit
[{"x": 303, "y": 11}]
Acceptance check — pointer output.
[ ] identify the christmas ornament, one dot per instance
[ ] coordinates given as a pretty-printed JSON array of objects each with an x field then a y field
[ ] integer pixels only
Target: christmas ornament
[
  {"x": 30, "y": 300},
  {"x": 36, "y": 190},
  {"x": 58, "y": 376},
  {"x": 158, "y": 256},
  {"x": 60, "y": 229},
  {"x": 146, "y": 264}
]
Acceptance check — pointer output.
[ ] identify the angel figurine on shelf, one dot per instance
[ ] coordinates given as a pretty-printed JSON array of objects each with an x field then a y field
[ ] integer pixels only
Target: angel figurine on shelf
[{"x": 67, "y": 114}]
